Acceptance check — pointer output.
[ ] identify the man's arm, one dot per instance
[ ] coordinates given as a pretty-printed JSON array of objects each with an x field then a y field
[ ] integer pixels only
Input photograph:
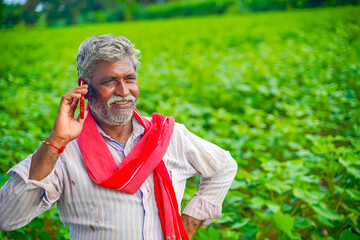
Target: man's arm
[
  {"x": 32, "y": 189},
  {"x": 191, "y": 224},
  {"x": 65, "y": 129},
  {"x": 217, "y": 169},
  {"x": 22, "y": 199}
]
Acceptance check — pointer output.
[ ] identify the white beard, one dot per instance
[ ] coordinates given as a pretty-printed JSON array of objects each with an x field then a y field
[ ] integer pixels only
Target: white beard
[{"x": 112, "y": 117}]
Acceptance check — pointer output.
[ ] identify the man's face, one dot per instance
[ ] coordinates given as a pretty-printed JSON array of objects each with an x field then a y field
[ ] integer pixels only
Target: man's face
[{"x": 113, "y": 91}]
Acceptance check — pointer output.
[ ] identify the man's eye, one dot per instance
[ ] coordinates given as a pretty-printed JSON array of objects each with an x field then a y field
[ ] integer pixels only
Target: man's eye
[{"x": 109, "y": 81}]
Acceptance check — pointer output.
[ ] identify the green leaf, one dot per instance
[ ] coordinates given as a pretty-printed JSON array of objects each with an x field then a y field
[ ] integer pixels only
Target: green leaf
[
  {"x": 270, "y": 165},
  {"x": 16, "y": 235},
  {"x": 232, "y": 200},
  {"x": 306, "y": 196},
  {"x": 324, "y": 221},
  {"x": 303, "y": 223},
  {"x": 322, "y": 210},
  {"x": 213, "y": 233},
  {"x": 36, "y": 223},
  {"x": 347, "y": 235},
  {"x": 354, "y": 171},
  {"x": 277, "y": 186},
  {"x": 3, "y": 179},
  {"x": 44, "y": 236},
  {"x": 273, "y": 206},
  {"x": 243, "y": 174},
  {"x": 356, "y": 211},
  {"x": 353, "y": 194},
  {"x": 240, "y": 224},
  {"x": 285, "y": 223},
  {"x": 225, "y": 219},
  {"x": 343, "y": 162},
  {"x": 257, "y": 202},
  {"x": 237, "y": 184}
]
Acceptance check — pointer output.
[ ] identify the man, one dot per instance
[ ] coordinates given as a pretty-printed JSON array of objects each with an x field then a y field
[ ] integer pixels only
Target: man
[{"x": 115, "y": 174}]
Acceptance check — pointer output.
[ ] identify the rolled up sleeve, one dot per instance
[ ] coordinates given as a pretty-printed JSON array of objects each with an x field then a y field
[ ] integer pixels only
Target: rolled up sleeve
[
  {"x": 217, "y": 169},
  {"x": 22, "y": 199}
]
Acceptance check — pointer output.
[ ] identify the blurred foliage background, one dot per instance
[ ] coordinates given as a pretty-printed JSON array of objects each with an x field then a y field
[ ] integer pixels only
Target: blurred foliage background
[
  {"x": 280, "y": 90},
  {"x": 20, "y": 13}
]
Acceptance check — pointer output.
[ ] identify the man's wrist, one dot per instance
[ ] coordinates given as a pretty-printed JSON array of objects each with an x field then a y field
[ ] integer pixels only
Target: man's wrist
[
  {"x": 57, "y": 142},
  {"x": 190, "y": 224}
]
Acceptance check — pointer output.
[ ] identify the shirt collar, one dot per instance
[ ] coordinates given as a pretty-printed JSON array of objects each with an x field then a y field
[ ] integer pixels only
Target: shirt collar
[{"x": 138, "y": 129}]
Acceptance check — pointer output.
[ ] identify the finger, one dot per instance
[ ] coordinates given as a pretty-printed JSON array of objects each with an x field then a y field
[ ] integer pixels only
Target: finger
[
  {"x": 78, "y": 90},
  {"x": 75, "y": 93},
  {"x": 74, "y": 104},
  {"x": 70, "y": 97},
  {"x": 72, "y": 109},
  {"x": 81, "y": 89},
  {"x": 67, "y": 104}
]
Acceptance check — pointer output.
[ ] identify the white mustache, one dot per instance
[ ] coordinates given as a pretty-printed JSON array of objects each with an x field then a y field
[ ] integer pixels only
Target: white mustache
[{"x": 113, "y": 99}]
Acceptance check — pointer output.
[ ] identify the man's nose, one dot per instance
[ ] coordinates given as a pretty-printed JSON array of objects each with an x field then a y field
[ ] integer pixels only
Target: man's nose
[{"x": 122, "y": 89}]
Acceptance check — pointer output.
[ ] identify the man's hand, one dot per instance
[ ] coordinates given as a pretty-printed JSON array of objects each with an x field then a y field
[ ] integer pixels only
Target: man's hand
[
  {"x": 191, "y": 224},
  {"x": 65, "y": 129}
]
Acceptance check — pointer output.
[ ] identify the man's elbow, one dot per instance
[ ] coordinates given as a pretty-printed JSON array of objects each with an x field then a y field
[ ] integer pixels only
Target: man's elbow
[
  {"x": 4, "y": 226},
  {"x": 232, "y": 166},
  {"x": 7, "y": 224}
]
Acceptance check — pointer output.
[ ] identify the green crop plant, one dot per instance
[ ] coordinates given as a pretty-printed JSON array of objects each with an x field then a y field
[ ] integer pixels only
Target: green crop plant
[{"x": 279, "y": 90}]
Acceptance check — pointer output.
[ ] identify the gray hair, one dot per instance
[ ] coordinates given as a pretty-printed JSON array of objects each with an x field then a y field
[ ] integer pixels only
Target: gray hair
[{"x": 104, "y": 47}]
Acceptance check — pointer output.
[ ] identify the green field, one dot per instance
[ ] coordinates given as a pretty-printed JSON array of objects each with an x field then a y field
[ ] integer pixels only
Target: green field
[{"x": 279, "y": 90}]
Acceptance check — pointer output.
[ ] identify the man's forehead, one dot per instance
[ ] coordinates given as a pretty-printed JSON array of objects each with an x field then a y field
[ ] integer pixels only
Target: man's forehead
[
  {"x": 124, "y": 62},
  {"x": 122, "y": 66}
]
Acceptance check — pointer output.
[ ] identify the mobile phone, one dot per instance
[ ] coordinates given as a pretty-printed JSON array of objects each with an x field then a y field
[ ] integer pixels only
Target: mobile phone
[{"x": 82, "y": 101}]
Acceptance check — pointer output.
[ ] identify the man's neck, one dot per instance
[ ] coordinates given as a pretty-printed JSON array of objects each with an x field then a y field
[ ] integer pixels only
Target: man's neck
[{"x": 120, "y": 133}]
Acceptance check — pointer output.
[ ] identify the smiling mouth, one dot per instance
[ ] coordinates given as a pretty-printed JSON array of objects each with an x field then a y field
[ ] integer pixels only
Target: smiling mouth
[{"x": 122, "y": 104}]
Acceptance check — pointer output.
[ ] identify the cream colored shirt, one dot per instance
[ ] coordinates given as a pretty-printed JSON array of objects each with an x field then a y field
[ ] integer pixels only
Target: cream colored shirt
[{"x": 95, "y": 212}]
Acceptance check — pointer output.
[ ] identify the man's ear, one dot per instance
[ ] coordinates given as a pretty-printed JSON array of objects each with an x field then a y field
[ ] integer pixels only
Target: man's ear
[{"x": 81, "y": 81}]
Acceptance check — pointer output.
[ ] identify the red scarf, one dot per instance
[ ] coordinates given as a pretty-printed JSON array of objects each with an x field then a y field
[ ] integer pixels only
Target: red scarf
[{"x": 145, "y": 158}]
